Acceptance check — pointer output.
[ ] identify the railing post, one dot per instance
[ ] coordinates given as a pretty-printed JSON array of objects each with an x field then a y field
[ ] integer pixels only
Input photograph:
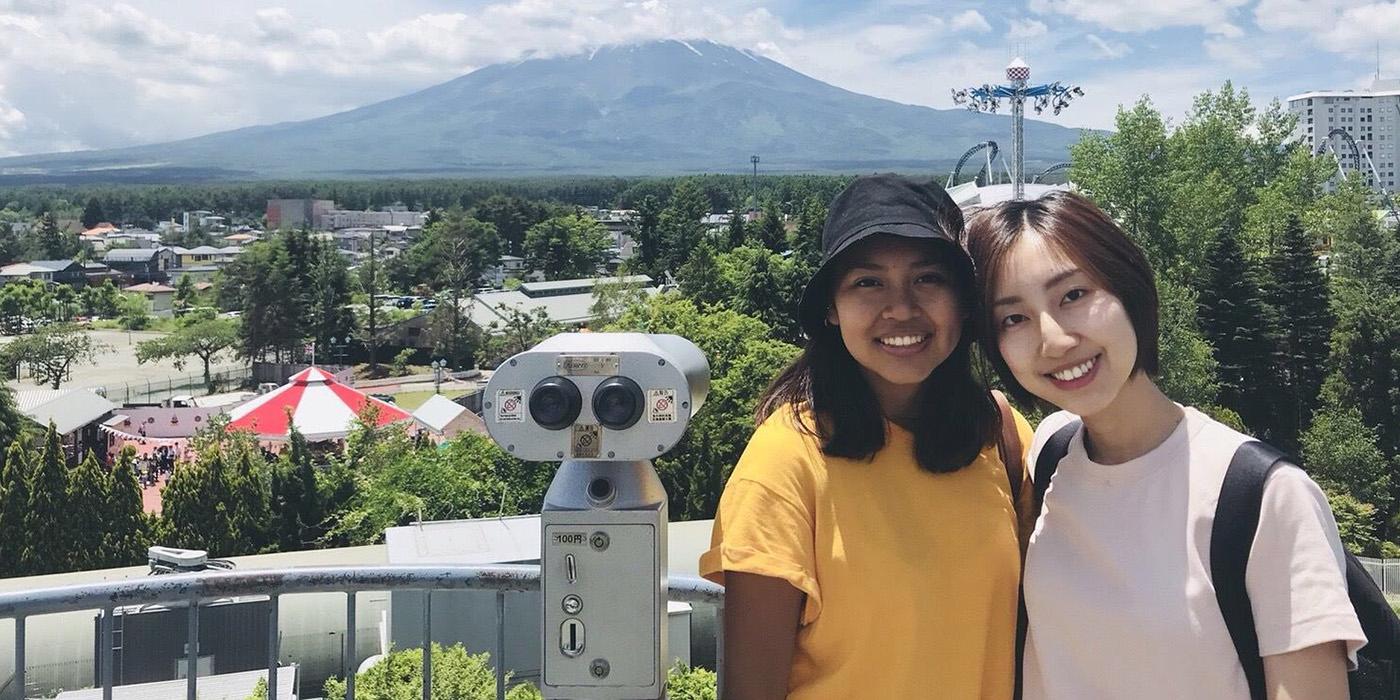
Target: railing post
[
  {"x": 192, "y": 650},
  {"x": 719, "y": 650},
  {"x": 350, "y": 660},
  {"x": 272, "y": 644},
  {"x": 500, "y": 645},
  {"x": 19, "y": 655},
  {"x": 106, "y": 662},
  {"x": 427, "y": 643}
]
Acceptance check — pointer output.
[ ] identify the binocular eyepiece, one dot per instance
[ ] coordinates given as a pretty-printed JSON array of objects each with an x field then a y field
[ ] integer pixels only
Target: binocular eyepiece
[
  {"x": 616, "y": 396},
  {"x": 555, "y": 403}
]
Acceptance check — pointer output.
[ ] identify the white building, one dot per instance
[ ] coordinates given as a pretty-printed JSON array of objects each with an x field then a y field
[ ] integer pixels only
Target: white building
[{"x": 1371, "y": 117}]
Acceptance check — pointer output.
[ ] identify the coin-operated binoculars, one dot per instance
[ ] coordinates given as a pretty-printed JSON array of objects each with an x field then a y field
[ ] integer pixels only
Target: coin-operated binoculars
[{"x": 605, "y": 404}]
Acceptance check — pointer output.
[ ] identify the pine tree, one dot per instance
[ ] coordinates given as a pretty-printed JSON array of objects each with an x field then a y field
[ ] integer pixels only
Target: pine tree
[
  {"x": 251, "y": 503},
  {"x": 92, "y": 213},
  {"x": 126, "y": 536},
  {"x": 646, "y": 234},
  {"x": 295, "y": 499},
  {"x": 737, "y": 231},
  {"x": 197, "y": 504},
  {"x": 46, "y": 523},
  {"x": 1298, "y": 292},
  {"x": 807, "y": 239},
  {"x": 770, "y": 230},
  {"x": 54, "y": 243},
  {"x": 89, "y": 491},
  {"x": 1237, "y": 322},
  {"x": 762, "y": 295},
  {"x": 14, "y": 503},
  {"x": 700, "y": 278}
]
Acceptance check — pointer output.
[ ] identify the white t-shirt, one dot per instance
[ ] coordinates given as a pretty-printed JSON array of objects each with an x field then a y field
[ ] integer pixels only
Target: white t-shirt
[{"x": 1117, "y": 581}]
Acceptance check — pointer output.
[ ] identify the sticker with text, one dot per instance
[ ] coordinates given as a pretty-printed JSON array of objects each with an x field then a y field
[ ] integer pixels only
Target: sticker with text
[
  {"x": 510, "y": 406},
  {"x": 661, "y": 405}
]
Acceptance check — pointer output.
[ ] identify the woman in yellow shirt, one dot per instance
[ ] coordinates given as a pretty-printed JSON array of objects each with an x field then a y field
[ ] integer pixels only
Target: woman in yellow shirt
[{"x": 867, "y": 539}]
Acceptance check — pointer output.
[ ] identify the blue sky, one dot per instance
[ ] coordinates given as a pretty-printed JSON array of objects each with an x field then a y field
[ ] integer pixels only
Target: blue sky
[{"x": 79, "y": 74}]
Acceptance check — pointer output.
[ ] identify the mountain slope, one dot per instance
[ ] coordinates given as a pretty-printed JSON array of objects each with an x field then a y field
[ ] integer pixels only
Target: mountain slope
[{"x": 661, "y": 107}]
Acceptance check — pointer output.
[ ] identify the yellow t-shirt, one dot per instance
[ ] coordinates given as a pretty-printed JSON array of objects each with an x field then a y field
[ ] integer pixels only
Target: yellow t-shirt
[{"x": 910, "y": 577}]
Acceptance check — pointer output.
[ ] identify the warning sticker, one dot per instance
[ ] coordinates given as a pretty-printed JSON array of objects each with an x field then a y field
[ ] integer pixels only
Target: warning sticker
[
  {"x": 510, "y": 406},
  {"x": 586, "y": 441},
  {"x": 661, "y": 405}
]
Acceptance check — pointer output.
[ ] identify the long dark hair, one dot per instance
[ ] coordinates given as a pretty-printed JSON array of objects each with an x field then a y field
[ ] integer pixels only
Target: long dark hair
[{"x": 956, "y": 416}]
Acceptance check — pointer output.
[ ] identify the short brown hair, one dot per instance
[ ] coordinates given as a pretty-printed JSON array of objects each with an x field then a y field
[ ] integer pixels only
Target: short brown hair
[{"x": 1082, "y": 232}]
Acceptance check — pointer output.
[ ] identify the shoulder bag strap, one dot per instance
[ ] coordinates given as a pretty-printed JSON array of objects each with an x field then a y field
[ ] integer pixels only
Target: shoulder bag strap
[
  {"x": 1009, "y": 446},
  {"x": 1231, "y": 537}
]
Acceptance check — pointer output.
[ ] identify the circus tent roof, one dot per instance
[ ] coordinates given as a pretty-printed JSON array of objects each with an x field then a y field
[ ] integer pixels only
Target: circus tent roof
[{"x": 320, "y": 407}]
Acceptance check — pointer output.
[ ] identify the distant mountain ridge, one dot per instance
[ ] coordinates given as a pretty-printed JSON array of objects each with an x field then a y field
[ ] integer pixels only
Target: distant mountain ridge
[{"x": 665, "y": 107}]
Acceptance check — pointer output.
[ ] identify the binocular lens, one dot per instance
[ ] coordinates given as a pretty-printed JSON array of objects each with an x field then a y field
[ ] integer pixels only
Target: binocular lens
[
  {"x": 555, "y": 403},
  {"x": 617, "y": 403}
]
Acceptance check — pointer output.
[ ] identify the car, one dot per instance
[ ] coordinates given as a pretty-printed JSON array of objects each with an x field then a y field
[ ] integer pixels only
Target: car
[{"x": 386, "y": 398}]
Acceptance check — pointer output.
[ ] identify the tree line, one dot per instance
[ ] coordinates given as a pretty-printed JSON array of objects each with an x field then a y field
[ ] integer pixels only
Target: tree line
[{"x": 1280, "y": 290}]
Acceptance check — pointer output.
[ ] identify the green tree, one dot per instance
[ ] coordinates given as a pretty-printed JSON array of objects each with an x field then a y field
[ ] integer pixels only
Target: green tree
[
  {"x": 737, "y": 232},
  {"x": 53, "y": 243},
  {"x": 133, "y": 311},
  {"x": 328, "y": 311},
  {"x": 644, "y": 230},
  {"x": 102, "y": 300},
  {"x": 742, "y": 357},
  {"x": 771, "y": 234},
  {"x": 51, "y": 352},
  {"x": 48, "y": 533},
  {"x": 203, "y": 339},
  {"x": 197, "y": 503},
  {"x": 1126, "y": 172},
  {"x": 89, "y": 490},
  {"x": 1297, "y": 289},
  {"x": 1340, "y": 452},
  {"x": 92, "y": 213},
  {"x": 1356, "y": 524},
  {"x": 1238, "y": 325},
  {"x": 296, "y": 501},
  {"x": 681, "y": 223},
  {"x": 566, "y": 247},
  {"x": 184, "y": 294},
  {"x": 807, "y": 239},
  {"x": 517, "y": 332},
  {"x": 125, "y": 533},
  {"x": 1188, "y": 367},
  {"x": 1365, "y": 366},
  {"x": 14, "y": 504},
  {"x": 612, "y": 297},
  {"x": 468, "y": 248},
  {"x": 701, "y": 279}
]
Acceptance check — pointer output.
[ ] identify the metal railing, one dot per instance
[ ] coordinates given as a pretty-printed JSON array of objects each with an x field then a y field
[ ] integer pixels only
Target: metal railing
[
  {"x": 1385, "y": 572},
  {"x": 162, "y": 388},
  {"x": 192, "y": 589}
]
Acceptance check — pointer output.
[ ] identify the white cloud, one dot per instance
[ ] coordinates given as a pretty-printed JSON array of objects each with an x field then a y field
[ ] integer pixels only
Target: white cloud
[
  {"x": 970, "y": 21},
  {"x": 1108, "y": 49},
  {"x": 1026, "y": 29},
  {"x": 1213, "y": 16}
]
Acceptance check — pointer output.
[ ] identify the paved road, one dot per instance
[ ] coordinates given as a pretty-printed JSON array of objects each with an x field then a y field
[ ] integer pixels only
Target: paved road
[{"x": 116, "y": 366}]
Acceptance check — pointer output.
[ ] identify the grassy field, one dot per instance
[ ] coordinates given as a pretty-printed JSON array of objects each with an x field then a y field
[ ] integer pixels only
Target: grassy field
[{"x": 411, "y": 400}]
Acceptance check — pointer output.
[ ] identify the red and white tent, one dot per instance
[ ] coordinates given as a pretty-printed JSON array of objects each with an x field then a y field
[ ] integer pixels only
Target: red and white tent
[{"x": 319, "y": 406}]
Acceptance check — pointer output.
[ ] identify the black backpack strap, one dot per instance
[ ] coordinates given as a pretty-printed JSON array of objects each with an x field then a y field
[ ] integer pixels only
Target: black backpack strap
[
  {"x": 1049, "y": 458},
  {"x": 1046, "y": 462},
  {"x": 1231, "y": 537}
]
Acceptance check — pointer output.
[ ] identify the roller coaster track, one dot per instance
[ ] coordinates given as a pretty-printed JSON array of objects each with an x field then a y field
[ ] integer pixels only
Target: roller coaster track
[
  {"x": 1357, "y": 157},
  {"x": 1051, "y": 169},
  {"x": 992, "y": 151}
]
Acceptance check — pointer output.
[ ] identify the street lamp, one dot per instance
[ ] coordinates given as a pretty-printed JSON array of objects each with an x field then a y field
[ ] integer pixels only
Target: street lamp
[{"x": 987, "y": 98}]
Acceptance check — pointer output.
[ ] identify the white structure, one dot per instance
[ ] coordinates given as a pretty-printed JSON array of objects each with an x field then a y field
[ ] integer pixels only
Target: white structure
[{"x": 1371, "y": 117}]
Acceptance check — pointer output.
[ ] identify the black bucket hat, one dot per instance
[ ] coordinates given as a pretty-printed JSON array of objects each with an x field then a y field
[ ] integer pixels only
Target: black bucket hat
[{"x": 873, "y": 204}]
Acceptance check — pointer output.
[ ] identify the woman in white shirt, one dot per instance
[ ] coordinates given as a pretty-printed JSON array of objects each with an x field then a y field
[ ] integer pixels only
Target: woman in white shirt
[{"x": 1117, "y": 578}]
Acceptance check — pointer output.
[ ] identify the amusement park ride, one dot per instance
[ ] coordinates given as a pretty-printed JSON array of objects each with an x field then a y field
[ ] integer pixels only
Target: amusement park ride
[
  {"x": 1358, "y": 156},
  {"x": 987, "y": 98}
]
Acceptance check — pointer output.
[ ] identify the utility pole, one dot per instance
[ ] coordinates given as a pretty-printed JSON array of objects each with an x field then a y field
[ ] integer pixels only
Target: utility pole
[
  {"x": 753, "y": 184},
  {"x": 987, "y": 98},
  {"x": 373, "y": 339}
]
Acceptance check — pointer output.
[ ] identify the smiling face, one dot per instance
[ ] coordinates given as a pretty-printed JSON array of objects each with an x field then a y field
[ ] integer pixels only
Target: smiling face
[
  {"x": 1065, "y": 338},
  {"x": 897, "y": 308}
]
